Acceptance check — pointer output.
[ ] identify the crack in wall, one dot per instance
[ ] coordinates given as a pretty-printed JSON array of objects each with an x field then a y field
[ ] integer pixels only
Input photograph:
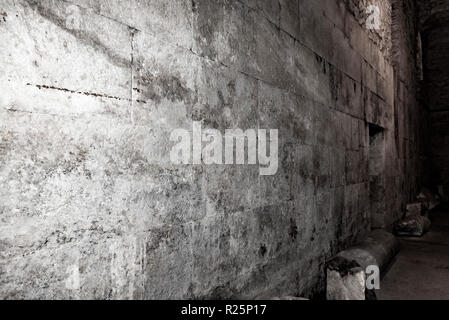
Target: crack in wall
[{"x": 86, "y": 93}]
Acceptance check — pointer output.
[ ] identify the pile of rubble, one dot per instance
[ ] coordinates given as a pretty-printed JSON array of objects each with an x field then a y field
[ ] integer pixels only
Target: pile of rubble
[{"x": 416, "y": 222}]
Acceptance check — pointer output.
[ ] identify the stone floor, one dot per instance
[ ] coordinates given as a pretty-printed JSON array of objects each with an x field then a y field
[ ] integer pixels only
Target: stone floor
[{"x": 421, "y": 269}]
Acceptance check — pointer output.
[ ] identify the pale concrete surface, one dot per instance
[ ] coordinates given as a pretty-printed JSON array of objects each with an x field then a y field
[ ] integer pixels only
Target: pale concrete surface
[
  {"x": 421, "y": 271},
  {"x": 91, "y": 206}
]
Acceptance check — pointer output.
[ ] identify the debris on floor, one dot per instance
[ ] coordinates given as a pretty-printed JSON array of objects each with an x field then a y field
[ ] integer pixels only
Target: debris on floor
[
  {"x": 428, "y": 199},
  {"x": 413, "y": 226},
  {"x": 416, "y": 222}
]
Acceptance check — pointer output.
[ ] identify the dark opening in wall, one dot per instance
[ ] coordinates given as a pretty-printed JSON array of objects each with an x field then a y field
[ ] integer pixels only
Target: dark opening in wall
[{"x": 376, "y": 176}]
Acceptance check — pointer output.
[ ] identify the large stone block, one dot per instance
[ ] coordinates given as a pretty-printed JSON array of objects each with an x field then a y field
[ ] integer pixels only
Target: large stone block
[
  {"x": 58, "y": 46},
  {"x": 224, "y": 32},
  {"x": 226, "y": 99},
  {"x": 345, "y": 280},
  {"x": 345, "y": 58},
  {"x": 221, "y": 187},
  {"x": 169, "y": 261},
  {"x": 378, "y": 248},
  {"x": 412, "y": 226},
  {"x": 171, "y": 20},
  {"x": 309, "y": 11},
  {"x": 295, "y": 117},
  {"x": 348, "y": 95},
  {"x": 164, "y": 78},
  {"x": 290, "y": 21}
]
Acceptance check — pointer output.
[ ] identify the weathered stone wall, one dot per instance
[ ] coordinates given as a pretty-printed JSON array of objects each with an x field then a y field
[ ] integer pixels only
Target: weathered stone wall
[
  {"x": 380, "y": 36},
  {"x": 434, "y": 17},
  {"x": 91, "y": 205},
  {"x": 411, "y": 130}
]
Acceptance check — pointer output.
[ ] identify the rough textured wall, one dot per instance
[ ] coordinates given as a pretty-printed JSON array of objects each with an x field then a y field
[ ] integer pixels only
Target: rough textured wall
[
  {"x": 410, "y": 133},
  {"x": 434, "y": 18},
  {"x": 91, "y": 205},
  {"x": 380, "y": 36}
]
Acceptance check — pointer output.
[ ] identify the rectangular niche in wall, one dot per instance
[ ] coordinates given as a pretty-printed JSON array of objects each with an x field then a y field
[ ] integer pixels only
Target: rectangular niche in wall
[{"x": 377, "y": 176}]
